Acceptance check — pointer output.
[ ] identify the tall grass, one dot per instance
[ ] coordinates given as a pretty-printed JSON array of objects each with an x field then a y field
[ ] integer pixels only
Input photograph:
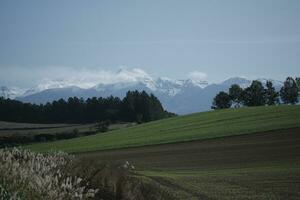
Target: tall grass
[{"x": 28, "y": 175}]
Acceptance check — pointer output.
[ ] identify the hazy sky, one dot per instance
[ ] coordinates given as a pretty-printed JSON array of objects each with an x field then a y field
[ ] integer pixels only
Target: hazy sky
[{"x": 175, "y": 38}]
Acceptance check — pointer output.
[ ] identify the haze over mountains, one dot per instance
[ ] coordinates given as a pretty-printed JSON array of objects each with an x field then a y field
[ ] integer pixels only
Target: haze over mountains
[{"x": 178, "y": 96}]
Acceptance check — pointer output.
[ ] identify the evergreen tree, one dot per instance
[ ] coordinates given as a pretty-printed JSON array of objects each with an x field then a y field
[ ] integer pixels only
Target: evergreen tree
[
  {"x": 222, "y": 100},
  {"x": 128, "y": 107},
  {"x": 157, "y": 110},
  {"x": 289, "y": 91},
  {"x": 140, "y": 107},
  {"x": 271, "y": 94},
  {"x": 254, "y": 95}
]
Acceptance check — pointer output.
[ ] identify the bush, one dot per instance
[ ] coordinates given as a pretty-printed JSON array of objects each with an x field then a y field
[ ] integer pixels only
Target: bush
[{"x": 103, "y": 126}]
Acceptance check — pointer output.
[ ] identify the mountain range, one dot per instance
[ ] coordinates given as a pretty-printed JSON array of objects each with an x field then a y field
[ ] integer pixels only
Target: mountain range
[{"x": 178, "y": 96}]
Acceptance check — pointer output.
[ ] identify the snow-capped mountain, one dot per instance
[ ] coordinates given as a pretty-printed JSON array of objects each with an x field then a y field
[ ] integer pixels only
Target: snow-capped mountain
[
  {"x": 164, "y": 88},
  {"x": 178, "y": 96}
]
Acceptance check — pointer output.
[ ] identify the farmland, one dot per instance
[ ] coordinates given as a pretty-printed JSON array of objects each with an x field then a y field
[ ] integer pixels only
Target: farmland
[
  {"x": 252, "y": 166},
  {"x": 185, "y": 128}
]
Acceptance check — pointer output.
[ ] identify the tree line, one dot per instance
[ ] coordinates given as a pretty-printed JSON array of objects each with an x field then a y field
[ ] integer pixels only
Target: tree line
[
  {"x": 134, "y": 107},
  {"x": 258, "y": 95}
]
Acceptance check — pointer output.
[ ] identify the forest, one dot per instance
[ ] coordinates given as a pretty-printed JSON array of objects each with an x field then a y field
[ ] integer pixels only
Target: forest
[{"x": 134, "y": 107}]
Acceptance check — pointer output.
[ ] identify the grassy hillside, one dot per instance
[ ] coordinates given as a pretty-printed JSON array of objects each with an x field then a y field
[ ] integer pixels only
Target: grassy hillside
[{"x": 185, "y": 128}]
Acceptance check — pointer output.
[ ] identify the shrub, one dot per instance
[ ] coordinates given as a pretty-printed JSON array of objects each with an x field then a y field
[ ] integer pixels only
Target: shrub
[{"x": 103, "y": 126}]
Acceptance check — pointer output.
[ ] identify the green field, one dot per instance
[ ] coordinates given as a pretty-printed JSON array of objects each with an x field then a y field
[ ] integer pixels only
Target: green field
[{"x": 184, "y": 128}]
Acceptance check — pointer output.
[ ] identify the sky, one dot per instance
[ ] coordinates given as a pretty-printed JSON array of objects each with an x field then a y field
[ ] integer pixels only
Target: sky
[{"x": 210, "y": 40}]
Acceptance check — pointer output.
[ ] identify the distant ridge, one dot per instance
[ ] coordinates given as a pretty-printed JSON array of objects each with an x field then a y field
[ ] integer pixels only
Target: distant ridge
[{"x": 178, "y": 96}]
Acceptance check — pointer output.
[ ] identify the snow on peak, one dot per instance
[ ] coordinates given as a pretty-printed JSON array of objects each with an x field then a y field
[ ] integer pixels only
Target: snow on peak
[
  {"x": 168, "y": 86},
  {"x": 126, "y": 77},
  {"x": 46, "y": 84},
  {"x": 194, "y": 83},
  {"x": 241, "y": 81}
]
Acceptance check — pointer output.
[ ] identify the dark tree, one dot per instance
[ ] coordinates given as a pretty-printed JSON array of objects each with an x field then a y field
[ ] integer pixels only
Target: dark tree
[
  {"x": 128, "y": 107},
  {"x": 235, "y": 93},
  {"x": 271, "y": 94},
  {"x": 298, "y": 84},
  {"x": 254, "y": 95},
  {"x": 221, "y": 100},
  {"x": 289, "y": 91},
  {"x": 141, "y": 107},
  {"x": 157, "y": 111}
]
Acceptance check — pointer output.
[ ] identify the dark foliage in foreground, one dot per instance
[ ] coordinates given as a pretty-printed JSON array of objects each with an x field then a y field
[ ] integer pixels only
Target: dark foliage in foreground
[{"x": 135, "y": 107}]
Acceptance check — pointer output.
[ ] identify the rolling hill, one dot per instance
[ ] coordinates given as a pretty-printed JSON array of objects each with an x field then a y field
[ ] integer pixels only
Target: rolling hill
[{"x": 196, "y": 126}]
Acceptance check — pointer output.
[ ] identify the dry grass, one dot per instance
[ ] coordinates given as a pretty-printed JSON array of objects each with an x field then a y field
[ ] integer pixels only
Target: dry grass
[{"x": 28, "y": 175}]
